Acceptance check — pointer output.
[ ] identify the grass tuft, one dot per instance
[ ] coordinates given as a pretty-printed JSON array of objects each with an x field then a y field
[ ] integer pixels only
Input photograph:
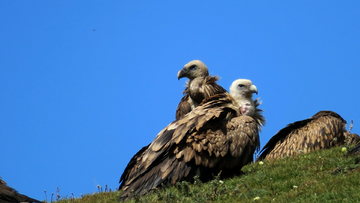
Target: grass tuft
[{"x": 323, "y": 176}]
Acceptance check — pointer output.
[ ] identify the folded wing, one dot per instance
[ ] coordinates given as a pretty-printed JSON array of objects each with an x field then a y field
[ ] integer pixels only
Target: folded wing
[{"x": 211, "y": 138}]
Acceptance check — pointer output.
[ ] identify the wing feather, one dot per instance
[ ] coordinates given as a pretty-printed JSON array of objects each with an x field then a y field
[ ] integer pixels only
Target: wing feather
[
  {"x": 184, "y": 106},
  {"x": 325, "y": 129},
  {"x": 209, "y": 138},
  {"x": 243, "y": 133}
]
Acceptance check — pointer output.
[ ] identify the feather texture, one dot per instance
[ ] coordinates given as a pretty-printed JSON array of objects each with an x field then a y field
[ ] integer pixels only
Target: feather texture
[
  {"x": 325, "y": 129},
  {"x": 210, "y": 134},
  {"x": 211, "y": 138}
]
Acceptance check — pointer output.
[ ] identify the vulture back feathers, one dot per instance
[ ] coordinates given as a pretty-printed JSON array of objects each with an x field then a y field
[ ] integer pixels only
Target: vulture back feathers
[
  {"x": 211, "y": 138},
  {"x": 323, "y": 130},
  {"x": 8, "y": 194},
  {"x": 200, "y": 86}
]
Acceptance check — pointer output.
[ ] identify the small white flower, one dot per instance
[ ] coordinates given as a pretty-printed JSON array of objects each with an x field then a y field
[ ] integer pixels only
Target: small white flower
[
  {"x": 343, "y": 149},
  {"x": 256, "y": 198},
  {"x": 261, "y": 163},
  {"x": 295, "y": 186},
  {"x": 221, "y": 182}
]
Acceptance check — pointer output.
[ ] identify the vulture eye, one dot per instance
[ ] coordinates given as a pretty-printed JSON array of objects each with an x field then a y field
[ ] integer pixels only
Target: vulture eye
[
  {"x": 193, "y": 67},
  {"x": 241, "y": 86}
]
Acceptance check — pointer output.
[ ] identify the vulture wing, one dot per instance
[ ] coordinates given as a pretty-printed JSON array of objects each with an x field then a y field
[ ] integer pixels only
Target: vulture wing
[
  {"x": 211, "y": 138},
  {"x": 135, "y": 159},
  {"x": 325, "y": 129}
]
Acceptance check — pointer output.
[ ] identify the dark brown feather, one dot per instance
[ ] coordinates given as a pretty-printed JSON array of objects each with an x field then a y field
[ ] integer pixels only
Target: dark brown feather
[
  {"x": 325, "y": 129},
  {"x": 137, "y": 157},
  {"x": 184, "y": 107},
  {"x": 8, "y": 194},
  {"x": 211, "y": 138},
  {"x": 259, "y": 118}
]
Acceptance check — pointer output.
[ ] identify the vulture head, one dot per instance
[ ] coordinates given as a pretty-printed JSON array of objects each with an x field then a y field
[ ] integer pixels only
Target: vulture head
[
  {"x": 241, "y": 90},
  {"x": 243, "y": 87},
  {"x": 193, "y": 70}
]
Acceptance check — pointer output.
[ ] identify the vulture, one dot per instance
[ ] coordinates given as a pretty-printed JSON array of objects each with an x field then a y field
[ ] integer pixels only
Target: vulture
[
  {"x": 8, "y": 194},
  {"x": 214, "y": 138},
  {"x": 200, "y": 86},
  {"x": 323, "y": 130}
]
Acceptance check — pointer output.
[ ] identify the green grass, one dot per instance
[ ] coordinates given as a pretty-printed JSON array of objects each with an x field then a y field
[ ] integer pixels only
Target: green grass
[{"x": 322, "y": 176}]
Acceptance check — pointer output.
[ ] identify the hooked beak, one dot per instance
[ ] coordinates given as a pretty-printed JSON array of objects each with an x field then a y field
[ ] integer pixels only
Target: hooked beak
[
  {"x": 181, "y": 73},
  {"x": 253, "y": 89}
]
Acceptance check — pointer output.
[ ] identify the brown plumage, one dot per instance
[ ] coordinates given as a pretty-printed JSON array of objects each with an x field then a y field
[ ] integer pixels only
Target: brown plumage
[
  {"x": 324, "y": 130},
  {"x": 8, "y": 194},
  {"x": 133, "y": 161},
  {"x": 213, "y": 137},
  {"x": 200, "y": 86}
]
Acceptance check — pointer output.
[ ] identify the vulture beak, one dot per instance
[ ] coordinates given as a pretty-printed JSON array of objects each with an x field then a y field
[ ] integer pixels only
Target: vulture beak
[
  {"x": 181, "y": 73},
  {"x": 253, "y": 89}
]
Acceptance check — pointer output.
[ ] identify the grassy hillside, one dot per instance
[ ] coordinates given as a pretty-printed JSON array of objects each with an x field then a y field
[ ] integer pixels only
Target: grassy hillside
[{"x": 322, "y": 176}]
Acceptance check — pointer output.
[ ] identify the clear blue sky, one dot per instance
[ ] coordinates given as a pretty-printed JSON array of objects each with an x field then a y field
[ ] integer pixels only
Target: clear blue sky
[{"x": 85, "y": 84}]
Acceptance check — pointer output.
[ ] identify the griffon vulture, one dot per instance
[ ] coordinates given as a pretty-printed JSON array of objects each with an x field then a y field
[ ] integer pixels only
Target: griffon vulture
[
  {"x": 8, "y": 194},
  {"x": 200, "y": 86},
  {"x": 324, "y": 130},
  {"x": 213, "y": 137}
]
